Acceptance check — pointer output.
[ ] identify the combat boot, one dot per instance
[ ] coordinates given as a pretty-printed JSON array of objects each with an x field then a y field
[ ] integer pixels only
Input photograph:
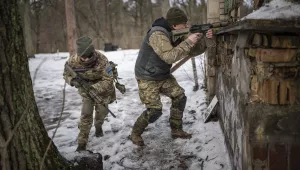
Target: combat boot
[
  {"x": 138, "y": 128},
  {"x": 137, "y": 139},
  {"x": 99, "y": 132},
  {"x": 81, "y": 147},
  {"x": 177, "y": 108},
  {"x": 180, "y": 134}
]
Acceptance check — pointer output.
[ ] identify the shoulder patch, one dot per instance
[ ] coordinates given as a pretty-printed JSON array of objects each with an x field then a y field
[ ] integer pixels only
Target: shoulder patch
[{"x": 109, "y": 70}]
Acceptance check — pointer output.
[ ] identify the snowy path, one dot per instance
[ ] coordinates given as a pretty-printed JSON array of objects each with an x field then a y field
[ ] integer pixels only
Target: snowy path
[{"x": 205, "y": 150}]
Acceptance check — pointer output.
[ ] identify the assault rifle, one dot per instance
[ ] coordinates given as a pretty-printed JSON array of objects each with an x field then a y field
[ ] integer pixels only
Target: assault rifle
[
  {"x": 90, "y": 90},
  {"x": 201, "y": 28}
]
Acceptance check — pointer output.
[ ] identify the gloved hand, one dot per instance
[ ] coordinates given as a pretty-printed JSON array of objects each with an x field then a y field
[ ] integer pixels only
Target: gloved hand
[
  {"x": 120, "y": 87},
  {"x": 74, "y": 82}
]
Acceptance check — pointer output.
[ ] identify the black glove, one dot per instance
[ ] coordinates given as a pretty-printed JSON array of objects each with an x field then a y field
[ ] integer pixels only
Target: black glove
[
  {"x": 74, "y": 82},
  {"x": 120, "y": 87}
]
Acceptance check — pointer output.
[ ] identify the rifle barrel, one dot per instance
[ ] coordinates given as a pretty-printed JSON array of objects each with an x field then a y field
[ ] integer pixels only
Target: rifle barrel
[{"x": 113, "y": 115}]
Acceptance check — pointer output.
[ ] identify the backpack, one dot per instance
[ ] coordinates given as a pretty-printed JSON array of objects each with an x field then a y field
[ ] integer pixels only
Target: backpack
[{"x": 114, "y": 71}]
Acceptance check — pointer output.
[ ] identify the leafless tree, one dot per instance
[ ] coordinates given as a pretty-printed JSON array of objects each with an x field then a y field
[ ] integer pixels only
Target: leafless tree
[
  {"x": 71, "y": 25},
  {"x": 36, "y": 6},
  {"x": 115, "y": 21},
  {"x": 165, "y": 5}
]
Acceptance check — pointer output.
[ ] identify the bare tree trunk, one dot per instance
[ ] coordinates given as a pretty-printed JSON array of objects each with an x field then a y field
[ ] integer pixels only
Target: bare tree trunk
[
  {"x": 97, "y": 21},
  {"x": 111, "y": 31},
  {"x": 204, "y": 11},
  {"x": 37, "y": 20},
  {"x": 23, "y": 137},
  {"x": 165, "y": 7},
  {"x": 141, "y": 5},
  {"x": 37, "y": 11},
  {"x": 123, "y": 28},
  {"x": 25, "y": 5},
  {"x": 192, "y": 7},
  {"x": 136, "y": 16},
  {"x": 106, "y": 20},
  {"x": 78, "y": 26},
  {"x": 71, "y": 26},
  {"x": 151, "y": 12}
]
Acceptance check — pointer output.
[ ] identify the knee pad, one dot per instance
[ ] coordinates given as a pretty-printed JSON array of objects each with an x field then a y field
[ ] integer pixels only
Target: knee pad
[
  {"x": 153, "y": 114},
  {"x": 179, "y": 103}
]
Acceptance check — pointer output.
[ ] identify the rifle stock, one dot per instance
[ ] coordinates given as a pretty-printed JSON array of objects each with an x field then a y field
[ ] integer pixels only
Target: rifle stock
[
  {"x": 180, "y": 63},
  {"x": 90, "y": 90}
]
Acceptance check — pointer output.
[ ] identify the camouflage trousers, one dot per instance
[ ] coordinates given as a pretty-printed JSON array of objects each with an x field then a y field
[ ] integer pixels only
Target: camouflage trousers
[
  {"x": 86, "y": 119},
  {"x": 149, "y": 92}
]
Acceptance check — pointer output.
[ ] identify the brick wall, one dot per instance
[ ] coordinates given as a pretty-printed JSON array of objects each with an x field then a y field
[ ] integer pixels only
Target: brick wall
[{"x": 258, "y": 88}]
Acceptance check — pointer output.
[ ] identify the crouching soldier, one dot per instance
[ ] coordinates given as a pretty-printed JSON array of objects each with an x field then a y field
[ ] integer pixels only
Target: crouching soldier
[
  {"x": 95, "y": 69},
  {"x": 152, "y": 70}
]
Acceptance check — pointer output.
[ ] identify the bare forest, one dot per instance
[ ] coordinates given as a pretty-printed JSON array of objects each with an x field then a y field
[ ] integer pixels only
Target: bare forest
[{"x": 123, "y": 23}]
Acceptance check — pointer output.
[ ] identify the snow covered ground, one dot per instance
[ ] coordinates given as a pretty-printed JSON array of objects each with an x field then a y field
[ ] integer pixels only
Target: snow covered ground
[{"x": 205, "y": 150}]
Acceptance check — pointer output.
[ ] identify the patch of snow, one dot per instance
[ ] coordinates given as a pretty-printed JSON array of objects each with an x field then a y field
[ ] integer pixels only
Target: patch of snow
[
  {"x": 248, "y": 3},
  {"x": 276, "y": 9}
]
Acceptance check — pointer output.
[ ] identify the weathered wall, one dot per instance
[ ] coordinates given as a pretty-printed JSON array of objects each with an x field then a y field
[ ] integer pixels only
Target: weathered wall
[
  {"x": 233, "y": 78},
  {"x": 257, "y": 85},
  {"x": 219, "y": 11}
]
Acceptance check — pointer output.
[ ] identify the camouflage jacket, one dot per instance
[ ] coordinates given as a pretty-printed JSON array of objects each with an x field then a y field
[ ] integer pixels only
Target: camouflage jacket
[
  {"x": 100, "y": 76},
  {"x": 163, "y": 47}
]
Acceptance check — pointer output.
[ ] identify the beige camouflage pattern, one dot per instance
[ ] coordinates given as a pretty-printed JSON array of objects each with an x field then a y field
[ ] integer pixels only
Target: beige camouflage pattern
[
  {"x": 96, "y": 76},
  {"x": 103, "y": 82},
  {"x": 86, "y": 119},
  {"x": 162, "y": 46},
  {"x": 149, "y": 91},
  {"x": 164, "y": 49}
]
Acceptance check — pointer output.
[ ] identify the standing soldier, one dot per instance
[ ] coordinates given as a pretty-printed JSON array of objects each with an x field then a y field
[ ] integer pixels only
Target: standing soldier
[
  {"x": 152, "y": 69},
  {"x": 94, "y": 68}
]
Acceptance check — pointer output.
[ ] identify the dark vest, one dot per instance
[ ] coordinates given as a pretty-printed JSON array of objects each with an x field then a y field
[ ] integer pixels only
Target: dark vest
[{"x": 149, "y": 66}]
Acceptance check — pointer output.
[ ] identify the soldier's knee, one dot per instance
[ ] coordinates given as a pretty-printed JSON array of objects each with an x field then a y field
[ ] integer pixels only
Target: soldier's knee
[
  {"x": 85, "y": 123},
  {"x": 179, "y": 102},
  {"x": 87, "y": 110},
  {"x": 153, "y": 114}
]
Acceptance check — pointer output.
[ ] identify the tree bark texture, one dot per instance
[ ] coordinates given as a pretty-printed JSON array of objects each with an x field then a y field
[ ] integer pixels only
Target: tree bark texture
[
  {"x": 27, "y": 29},
  {"x": 25, "y": 10},
  {"x": 17, "y": 104},
  {"x": 37, "y": 45}
]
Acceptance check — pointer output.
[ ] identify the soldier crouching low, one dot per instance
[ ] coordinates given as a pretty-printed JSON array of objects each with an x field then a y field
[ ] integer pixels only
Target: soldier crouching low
[
  {"x": 152, "y": 70},
  {"x": 94, "y": 68}
]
